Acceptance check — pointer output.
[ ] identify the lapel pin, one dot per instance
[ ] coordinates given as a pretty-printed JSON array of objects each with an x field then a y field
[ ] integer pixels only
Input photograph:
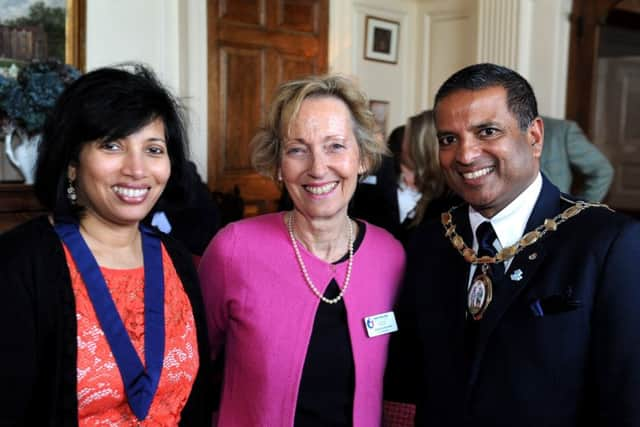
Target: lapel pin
[
  {"x": 516, "y": 276},
  {"x": 533, "y": 256}
]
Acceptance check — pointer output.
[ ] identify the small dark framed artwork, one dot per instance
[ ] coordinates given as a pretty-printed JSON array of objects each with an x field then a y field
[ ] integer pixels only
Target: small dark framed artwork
[
  {"x": 380, "y": 110},
  {"x": 381, "y": 40}
]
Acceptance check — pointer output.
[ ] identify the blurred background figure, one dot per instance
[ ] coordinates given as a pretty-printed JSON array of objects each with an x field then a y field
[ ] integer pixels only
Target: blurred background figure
[
  {"x": 375, "y": 199},
  {"x": 101, "y": 317},
  {"x": 572, "y": 163},
  {"x": 288, "y": 300},
  {"x": 410, "y": 189},
  {"x": 194, "y": 220}
]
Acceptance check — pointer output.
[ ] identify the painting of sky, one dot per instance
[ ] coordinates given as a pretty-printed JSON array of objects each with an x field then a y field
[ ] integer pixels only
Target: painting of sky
[{"x": 11, "y": 9}]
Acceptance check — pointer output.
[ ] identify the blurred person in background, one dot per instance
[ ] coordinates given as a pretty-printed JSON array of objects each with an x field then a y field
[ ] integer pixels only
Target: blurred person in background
[
  {"x": 572, "y": 163},
  {"x": 414, "y": 190}
]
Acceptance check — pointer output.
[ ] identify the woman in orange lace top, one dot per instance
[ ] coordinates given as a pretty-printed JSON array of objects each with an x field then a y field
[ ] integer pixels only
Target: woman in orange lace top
[{"x": 102, "y": 318}]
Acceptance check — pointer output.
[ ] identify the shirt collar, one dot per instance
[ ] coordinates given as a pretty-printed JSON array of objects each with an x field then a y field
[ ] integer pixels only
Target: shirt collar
[{"x": 509, "y": 224}]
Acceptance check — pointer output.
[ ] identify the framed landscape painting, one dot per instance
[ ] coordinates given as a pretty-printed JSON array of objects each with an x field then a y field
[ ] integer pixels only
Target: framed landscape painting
[{"x": 42, "y": 29}]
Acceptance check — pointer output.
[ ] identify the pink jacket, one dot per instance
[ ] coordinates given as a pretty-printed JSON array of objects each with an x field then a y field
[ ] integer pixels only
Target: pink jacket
[{"x": 260, "y": 308}]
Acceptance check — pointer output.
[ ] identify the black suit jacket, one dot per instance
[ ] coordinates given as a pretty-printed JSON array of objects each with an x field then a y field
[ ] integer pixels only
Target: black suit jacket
[{"x": 557, "y": 347}]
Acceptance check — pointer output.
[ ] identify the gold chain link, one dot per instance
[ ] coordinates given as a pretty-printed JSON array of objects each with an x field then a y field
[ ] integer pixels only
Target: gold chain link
[{"x": 527, "y": 240}]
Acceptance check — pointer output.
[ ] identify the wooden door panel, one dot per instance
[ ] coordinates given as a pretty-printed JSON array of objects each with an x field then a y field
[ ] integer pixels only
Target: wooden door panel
[
  {"x": 252, "y": 47},
  {"x": 242, "y": 11},
  {"x": 241, "y": 75},
  {"x": 298, "y": 15},
  {"x": 617, "y": 127},
  {"x": 293, "y": 67},
  {"x": 300, "y": 44}
]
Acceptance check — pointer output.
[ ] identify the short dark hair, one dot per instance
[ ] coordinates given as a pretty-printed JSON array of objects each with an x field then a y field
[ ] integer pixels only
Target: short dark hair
[
  {"x": 106, "y": 104},
  {"x": 521, "y": 100}
]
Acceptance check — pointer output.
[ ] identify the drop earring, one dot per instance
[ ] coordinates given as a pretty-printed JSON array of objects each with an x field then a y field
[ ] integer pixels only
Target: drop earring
[{"x": 72, "y": 196}]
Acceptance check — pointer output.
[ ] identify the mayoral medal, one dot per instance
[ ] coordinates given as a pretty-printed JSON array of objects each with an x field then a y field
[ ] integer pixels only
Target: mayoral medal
[{"x": 480, "y": 293}]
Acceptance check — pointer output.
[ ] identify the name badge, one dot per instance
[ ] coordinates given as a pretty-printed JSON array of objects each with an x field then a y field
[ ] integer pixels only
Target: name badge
[{"x": 380, "y": 324}]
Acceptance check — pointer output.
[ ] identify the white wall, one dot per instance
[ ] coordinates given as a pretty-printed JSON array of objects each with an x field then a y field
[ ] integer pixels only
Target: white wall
[
  {"x": 168, "y": 35},
  {"x": 381, "y": 81},
  {"x": 548, "y": 62},
  {"x": 447, "y": 33},
  {"x": 530, "y": 36},
  {"x": 438, "y": 37}
]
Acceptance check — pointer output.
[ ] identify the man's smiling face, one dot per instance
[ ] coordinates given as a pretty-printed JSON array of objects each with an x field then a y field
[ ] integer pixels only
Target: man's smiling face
[{"x": 485, "y": 157}]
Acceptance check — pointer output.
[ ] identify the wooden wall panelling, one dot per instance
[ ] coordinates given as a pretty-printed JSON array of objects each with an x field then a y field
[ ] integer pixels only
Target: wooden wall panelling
[
  {"x": 18, "y": 203},
  {"x": 244, "y": 11}
]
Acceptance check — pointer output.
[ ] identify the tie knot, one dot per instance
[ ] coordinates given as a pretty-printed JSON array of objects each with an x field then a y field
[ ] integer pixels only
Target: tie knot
[{"x": 486, "y": 235}]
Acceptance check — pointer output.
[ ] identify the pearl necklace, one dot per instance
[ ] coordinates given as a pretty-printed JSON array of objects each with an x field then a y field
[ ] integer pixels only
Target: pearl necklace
[{"x": 303, "y": 267}]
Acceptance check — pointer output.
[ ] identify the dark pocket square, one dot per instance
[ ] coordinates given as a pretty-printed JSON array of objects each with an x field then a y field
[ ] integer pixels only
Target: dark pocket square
[{"x": 553, "y": 304}]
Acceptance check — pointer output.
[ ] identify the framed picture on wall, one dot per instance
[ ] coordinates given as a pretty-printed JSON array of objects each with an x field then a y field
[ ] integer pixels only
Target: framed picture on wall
[
  {"x": 381, "y": 40},
  {"x": 380, "y": 110},
  {"x": 34, "y": 29}
]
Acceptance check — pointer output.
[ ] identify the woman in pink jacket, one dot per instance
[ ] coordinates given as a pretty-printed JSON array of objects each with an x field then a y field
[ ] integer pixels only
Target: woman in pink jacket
[{"x": 299, "y": 301}]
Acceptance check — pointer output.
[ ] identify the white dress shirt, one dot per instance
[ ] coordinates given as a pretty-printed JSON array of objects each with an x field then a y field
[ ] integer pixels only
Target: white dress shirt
[{"x": 509, "y": 223}]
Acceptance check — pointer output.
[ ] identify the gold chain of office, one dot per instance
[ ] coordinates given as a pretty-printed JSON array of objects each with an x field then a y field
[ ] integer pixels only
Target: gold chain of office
[{"x": 550, "y": 224}]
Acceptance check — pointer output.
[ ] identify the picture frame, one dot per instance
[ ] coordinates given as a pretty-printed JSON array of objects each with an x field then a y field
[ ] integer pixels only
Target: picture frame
[
  {"x": 75, "y": 33},
  {"x": 381, "y": 40},
  {"x": 33, "y": 29},
  {"x": 380, "y": 110},
  {"x": 58, "y": 25}
]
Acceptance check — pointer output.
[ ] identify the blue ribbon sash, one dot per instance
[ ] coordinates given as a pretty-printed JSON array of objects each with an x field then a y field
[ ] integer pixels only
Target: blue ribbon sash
[{"x": 140, "y": 384}]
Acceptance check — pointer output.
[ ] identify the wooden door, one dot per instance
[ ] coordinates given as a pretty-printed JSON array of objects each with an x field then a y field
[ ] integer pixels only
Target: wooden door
[
  {"x": 617, "y": 129},
  {"x": 587, "y": 17},
  {"x": 253, "y": 45},
  {"x": 603, "y": 91}
]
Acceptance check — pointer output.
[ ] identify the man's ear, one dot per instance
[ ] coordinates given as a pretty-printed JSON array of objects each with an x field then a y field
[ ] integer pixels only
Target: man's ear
[{"x": 535, "y": 136}]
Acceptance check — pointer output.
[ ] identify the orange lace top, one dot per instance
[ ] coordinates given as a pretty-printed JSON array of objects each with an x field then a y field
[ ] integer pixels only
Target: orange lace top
[{"x": 102, "y": 400}]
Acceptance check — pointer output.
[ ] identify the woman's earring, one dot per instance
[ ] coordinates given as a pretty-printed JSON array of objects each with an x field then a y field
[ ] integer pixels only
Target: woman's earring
[
  {"x": 71, "y": 193},
  {"x": 279, "y": 176}
]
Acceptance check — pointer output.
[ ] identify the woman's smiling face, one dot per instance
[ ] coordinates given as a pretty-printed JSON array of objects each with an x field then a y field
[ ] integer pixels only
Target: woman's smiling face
[
  {"x": 120, "y": 181},
  {"x": 320, "y": 158}
]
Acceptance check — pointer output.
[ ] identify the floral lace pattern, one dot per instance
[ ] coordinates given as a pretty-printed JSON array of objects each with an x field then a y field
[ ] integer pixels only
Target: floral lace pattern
[{"x": 102, "y": 400}]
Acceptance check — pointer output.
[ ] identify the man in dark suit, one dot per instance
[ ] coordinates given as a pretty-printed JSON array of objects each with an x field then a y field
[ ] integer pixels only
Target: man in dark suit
[{"x": 520, "y": 307}]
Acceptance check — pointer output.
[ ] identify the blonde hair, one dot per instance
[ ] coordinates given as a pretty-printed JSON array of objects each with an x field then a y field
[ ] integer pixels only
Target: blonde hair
[
  {"x": 267, "y": 143},
  {"x": 423, "y": 146}
]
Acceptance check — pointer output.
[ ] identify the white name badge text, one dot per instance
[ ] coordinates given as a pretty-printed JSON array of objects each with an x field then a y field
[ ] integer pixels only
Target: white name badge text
[{"x": 380, "y": 324}]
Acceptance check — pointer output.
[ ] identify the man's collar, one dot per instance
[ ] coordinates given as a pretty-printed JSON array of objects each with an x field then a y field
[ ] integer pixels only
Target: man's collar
[{"x": 511, "y": 221}]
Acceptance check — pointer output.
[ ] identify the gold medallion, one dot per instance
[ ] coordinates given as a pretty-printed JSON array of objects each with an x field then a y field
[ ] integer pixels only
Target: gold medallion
[{"x": 479, "y": 295}]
